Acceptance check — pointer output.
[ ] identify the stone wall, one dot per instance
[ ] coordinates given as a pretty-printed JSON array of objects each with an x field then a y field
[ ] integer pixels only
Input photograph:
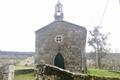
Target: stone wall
[{"x": 49, "y": 72}]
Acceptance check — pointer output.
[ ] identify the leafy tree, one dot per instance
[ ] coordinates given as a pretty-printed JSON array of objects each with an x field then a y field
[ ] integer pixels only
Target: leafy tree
[{"x": 98, "y": 41}]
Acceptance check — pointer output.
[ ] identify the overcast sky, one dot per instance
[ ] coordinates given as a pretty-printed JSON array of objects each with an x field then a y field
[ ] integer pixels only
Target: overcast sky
[{"x": 19, "y": 19}]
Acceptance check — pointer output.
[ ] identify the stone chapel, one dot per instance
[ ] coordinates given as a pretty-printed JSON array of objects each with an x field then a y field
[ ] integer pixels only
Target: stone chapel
[{"x": 61, "y": 43}]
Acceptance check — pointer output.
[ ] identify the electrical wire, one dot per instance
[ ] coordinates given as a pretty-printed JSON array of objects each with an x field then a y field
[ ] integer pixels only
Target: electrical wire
[{"x": 105, "y": 9}]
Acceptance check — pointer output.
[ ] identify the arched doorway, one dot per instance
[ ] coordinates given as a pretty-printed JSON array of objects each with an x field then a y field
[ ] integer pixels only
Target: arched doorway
[{"x": 59, "y": 61}]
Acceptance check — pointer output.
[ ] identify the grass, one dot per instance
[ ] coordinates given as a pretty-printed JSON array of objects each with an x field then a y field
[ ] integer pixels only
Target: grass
[
  {"x": 24, "y": 77},
  {"x": 23, "y": 67},
  {"x": 103, "y": 73},
  {"x": 27, "y": 76}
]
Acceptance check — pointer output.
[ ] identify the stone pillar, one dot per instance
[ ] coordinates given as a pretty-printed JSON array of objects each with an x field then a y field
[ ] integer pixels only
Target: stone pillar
[
  {"x": 8, "y": 72},
  {"x": 39, "y": 72}
]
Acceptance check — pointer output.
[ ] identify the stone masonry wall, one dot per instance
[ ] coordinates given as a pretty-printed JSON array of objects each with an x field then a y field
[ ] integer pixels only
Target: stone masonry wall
[
  {"x": 71, "y": 47},
  {"x": 49, "y": 72}
]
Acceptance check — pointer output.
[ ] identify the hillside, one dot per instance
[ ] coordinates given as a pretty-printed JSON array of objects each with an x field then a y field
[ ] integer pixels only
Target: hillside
[{"x": 12, "y": 57}]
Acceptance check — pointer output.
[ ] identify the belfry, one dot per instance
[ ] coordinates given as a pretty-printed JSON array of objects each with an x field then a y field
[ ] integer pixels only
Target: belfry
[{"x": 59, "y": 12}]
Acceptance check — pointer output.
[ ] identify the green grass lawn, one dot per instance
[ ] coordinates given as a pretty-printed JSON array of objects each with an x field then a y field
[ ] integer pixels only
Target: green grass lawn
[
  {"x": 24, "y": 76},
  {"x": 27, "y": 76},
  {"x": 100, "y": 72}
]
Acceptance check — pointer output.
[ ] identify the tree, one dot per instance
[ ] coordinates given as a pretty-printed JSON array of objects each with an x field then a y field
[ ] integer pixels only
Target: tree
[{"x": 98, "y": 41}]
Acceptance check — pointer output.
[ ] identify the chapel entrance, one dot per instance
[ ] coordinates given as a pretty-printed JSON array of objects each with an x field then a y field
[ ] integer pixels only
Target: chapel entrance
[{"x": 59, "y": 61}]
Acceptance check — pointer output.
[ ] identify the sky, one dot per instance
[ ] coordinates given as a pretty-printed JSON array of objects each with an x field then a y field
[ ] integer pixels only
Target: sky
[{"x": 19, "y": 19}]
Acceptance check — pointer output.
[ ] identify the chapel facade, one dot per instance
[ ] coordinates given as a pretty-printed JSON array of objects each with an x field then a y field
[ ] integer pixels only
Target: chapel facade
[{"x": 61, "y": 44}]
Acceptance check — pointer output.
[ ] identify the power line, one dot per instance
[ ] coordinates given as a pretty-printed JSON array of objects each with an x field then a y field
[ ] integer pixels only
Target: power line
[{"x": 105, "y": 9}]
